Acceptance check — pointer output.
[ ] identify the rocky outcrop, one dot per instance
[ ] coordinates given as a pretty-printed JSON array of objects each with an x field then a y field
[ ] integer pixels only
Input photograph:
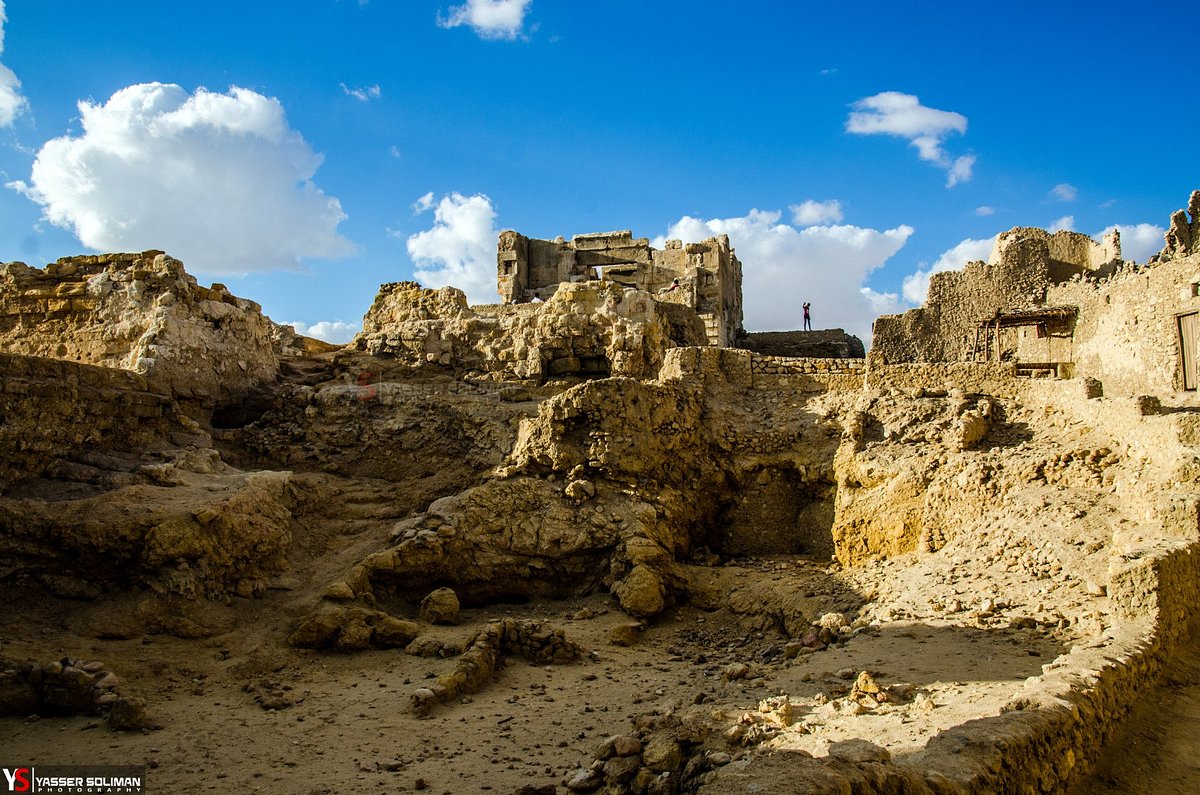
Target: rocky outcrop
[
  {"x": 143, "y": 313},
  {"x": 824, "y": 344},
  {"x": 185, "y": 533}
]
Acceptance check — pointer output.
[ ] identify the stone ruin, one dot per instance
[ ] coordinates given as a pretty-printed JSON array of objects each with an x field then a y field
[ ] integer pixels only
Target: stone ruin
[
  {"x": 708, "y": 273},
  {"x": 1013, "y": 467}
]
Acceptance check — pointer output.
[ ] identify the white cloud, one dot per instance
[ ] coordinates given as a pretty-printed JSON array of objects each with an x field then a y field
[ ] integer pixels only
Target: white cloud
[
  {"x": 362, "y": 94},
  {"x": 12, "y": 103},
  {"x": 809, "y": 212},
  {"x": 916, "y": 285},
  {"x": 219, "y": 180},
  {"x": 903, "y": 115},
  {"x": 334, "y": 331},
  {"x": 985, "y": 211},
  {"x": 490, "y": 19},
  {"x": 782, "y": 267},
  {"x": 423, "y": 204},
  {"x": 1139, "y": 242},
  {"x": 460, "y": 249},
  {"x": 882, "y": 303},
  {"x": 1064, "y": 224},
  {"x": 960, "y": 170},
  {"x": 1065, "y": 192}
]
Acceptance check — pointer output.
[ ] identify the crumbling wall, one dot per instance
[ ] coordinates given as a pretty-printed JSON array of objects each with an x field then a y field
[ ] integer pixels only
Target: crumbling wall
[
  {"x": 139, "y": 312},
  {"x": 1127, "y": 333},
  {"x": 1024, "y": 263},
  {"x": 587, "y": 329},
  {"x": 1183, "y": 236},
  {"x": 57, "y": 412},
  {"x": 709, "y": 275}
]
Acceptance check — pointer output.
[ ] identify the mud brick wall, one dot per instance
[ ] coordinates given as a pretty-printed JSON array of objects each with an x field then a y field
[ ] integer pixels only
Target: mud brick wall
[
  {"x": 54, "y": 410},
  {"x": 1127, "y": 334}
]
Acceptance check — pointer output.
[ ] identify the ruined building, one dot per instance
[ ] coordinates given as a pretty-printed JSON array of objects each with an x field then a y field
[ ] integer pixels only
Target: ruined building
[
  {"x": 953, "y": 565},
  {"x": 708, "y": 273}
]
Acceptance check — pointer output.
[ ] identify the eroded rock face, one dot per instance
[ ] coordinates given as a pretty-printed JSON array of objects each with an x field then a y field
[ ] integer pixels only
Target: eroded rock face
[
  {"x": 143, "y": 313},
  {"x": 187, "y": 536},
  {"x": 609, "y": 486},
  {"x": 590, "y": 329}
]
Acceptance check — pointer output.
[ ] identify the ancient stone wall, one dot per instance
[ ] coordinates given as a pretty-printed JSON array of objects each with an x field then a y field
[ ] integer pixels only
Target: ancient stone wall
[
  {"x": 1183, "y": 236},
  {"x": 139, "y": 312},
  {"x": 709, "y": 275},
  {"x": 585, "y": 329},
  {"x": 56, "y": 412},
  {"x": 772, "y": 373},
  {"x": 1024, "y": 263},
  {"x": 1127, "y": 334}
]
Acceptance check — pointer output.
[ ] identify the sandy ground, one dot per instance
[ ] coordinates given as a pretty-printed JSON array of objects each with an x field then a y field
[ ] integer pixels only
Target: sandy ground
[{"x": 240, "y": 710}]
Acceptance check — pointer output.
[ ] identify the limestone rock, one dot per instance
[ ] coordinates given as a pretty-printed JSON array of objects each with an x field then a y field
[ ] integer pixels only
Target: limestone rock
[
  {"x": 641, "y": 593},
  {"x": 440, "y": 607}
]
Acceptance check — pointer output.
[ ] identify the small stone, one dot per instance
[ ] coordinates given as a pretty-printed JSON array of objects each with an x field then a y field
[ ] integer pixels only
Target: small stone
[
  {"x": 1095, "y": 589},
  {"x": 625, "y": 634},
  {"x": 585, "y": 780},
  {"x": 832, "y": 621},
  {"x": 339, "y": 592},
  {"x": 621, "y": 769},
  {"x": 662, "y": 754},
  {"x": 735, "y": 671},
  {"x": 627, "y": 745},
  {"x": 580, "y": 490}
]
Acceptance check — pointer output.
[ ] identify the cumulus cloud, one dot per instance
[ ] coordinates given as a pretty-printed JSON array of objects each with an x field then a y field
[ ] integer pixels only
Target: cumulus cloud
[
  {"x": 334, "y": 331},
  {"x": 459, "y": 250},
  {"x": 362, "y": 94},
  {"x": 916, "y": 285},
  {"x": 219, "y": 180},
  {"x": 926, "y": 129},
  {"x": 782, "y": 267},
  {"x": 1139, "y": 242},
  {"x": 1065, "y": 192},
  {"x": 984, "y": 210},
  {"x": 1064, "y": 224},
  {"x": 809, "y": 212},
  {"x": 12, "y": 103},
  {"x": 490, "y": 19}
]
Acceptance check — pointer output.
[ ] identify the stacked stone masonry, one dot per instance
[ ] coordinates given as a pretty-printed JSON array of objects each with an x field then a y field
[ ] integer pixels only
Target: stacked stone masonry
[{"x": 705, "y": 276}]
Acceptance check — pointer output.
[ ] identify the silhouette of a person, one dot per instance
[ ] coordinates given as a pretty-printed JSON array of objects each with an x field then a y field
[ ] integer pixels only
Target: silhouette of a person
[{"x": 807, "y": 317}]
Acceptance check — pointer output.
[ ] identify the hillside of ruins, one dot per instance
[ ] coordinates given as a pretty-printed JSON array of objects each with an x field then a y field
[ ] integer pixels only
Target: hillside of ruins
[{"x": 597, "y": 537}]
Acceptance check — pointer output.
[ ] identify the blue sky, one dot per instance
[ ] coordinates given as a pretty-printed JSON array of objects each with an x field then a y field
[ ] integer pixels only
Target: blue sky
[{"x": 305, "y": 152}]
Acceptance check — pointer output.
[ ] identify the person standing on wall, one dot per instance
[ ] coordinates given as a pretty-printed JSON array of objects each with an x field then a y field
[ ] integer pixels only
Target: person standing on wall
[{"x": 807, "y": 317}]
